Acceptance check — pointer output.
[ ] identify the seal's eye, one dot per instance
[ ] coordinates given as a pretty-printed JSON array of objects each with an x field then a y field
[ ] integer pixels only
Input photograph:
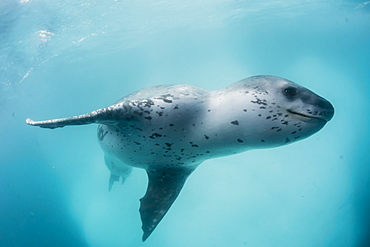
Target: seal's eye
[{"x": 290, "y": 92}]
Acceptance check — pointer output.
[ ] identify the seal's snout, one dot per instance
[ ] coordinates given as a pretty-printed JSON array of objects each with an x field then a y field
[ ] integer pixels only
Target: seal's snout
[
  {"x": 326, "y": 109},
  {"x": 329, "y": 112},
  {"x": 316, "y": 106},
  {"x": 313, "y": 107}
]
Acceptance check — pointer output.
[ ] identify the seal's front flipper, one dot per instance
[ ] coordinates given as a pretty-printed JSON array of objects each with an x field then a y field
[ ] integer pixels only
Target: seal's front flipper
[
  {"x": 164, "y": 186},
  {"x": 109, "y": 115}
]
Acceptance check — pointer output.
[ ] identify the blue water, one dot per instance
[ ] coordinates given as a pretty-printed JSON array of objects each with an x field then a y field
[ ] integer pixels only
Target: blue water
[{"x": 62, "y": 58}]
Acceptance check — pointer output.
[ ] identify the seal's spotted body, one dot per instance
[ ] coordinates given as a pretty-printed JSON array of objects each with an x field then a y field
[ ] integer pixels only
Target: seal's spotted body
[
  {"x": 170, "y": 130},
  {"x": 157, "y": 127}
]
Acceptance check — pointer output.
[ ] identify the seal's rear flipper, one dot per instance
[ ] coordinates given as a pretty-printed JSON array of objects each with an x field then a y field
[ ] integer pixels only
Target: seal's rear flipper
[
  {"x": 117, "y": 170},
  {"x": 109, "y": 115},
  {"x": 164, "y": 186},
  {"x": 112, "y": 178}
]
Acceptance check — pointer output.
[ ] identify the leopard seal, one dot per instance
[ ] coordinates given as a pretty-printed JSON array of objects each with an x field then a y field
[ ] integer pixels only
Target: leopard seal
[{"x": 170, "y": 130}]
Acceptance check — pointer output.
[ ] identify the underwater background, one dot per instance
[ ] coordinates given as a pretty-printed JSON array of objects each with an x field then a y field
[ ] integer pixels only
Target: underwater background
[{"x": 63, "y": 58}]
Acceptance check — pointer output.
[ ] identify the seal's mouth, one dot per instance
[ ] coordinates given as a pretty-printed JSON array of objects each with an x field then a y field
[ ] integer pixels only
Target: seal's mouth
[{"x": 306, "y": 116}]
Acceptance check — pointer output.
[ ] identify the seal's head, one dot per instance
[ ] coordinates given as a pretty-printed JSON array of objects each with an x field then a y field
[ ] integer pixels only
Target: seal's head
[{"x": 286, "y": 111}]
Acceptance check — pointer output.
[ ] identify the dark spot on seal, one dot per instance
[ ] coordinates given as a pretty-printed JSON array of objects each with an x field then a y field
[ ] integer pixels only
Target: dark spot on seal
[
  {"x": 259, "y": 102},
  {"x": 171, "y": 125},
  {"x": 148, "y": 117},
  {"x": 239, "y": 140},
  {"x": 207, "y": 137},
  {"x": 167, "y": 100},
  {"x": 176, "y": 107},
  {"x": 137, "y": 143},
  {"x": 168, "y": 144},
  {"x": 263, "y": 141},
  {"x": 155, "y": 135},
  {"x": 235, "y": 122},
  {"x": 193, "y": 145}
]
